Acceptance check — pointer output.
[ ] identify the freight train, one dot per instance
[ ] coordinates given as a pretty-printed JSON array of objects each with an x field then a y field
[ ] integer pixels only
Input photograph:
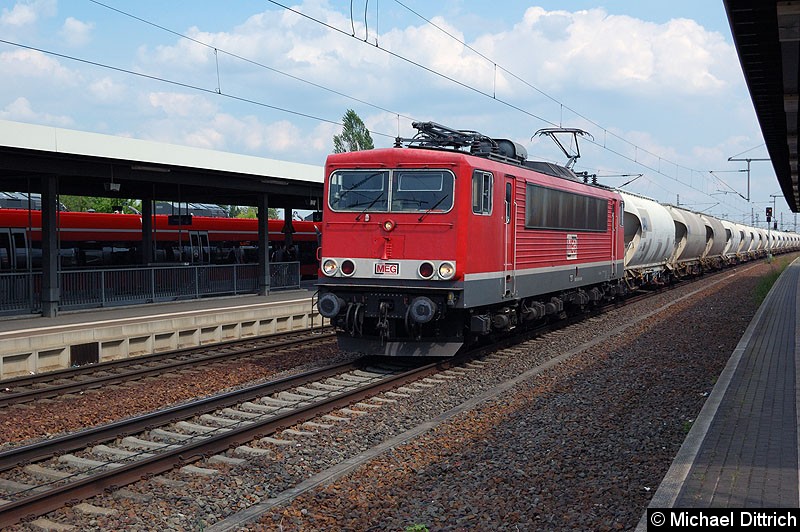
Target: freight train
[
  {"x": 453, "y": 237},
  {"x": 98, "y": 240}
]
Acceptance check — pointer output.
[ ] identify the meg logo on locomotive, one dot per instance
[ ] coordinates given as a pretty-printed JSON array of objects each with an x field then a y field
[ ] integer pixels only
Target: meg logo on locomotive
[{"x": 387, "y": 268}]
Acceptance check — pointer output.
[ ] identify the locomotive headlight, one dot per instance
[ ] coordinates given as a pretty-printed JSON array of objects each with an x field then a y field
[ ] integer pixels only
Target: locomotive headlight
[
  {"x": 426, "y": 270},
  {"x": 447, "y": 270},
  {"x": 389, "y": 225},
  {"x": 348, "y": 267},
  {"x": 329, "y": 267}
]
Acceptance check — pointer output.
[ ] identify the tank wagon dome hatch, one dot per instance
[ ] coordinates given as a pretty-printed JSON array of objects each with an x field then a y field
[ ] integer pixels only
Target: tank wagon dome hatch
[{"x": 431, "y": 135}]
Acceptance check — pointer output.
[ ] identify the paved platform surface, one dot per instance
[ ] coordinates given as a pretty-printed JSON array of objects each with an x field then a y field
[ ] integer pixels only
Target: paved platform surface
[
  {"x": 13, "y": 325},
  {"x": 742, "y": 451},
  {"x": 34, "y": 344}
]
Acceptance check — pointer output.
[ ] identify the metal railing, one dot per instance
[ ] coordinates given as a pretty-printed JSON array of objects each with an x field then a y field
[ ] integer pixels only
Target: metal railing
[{"x": 20, "y": 293}]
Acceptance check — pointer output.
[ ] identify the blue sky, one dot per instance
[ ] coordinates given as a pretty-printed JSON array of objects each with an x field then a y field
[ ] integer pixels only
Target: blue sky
[{"x": 657, "y": 84}]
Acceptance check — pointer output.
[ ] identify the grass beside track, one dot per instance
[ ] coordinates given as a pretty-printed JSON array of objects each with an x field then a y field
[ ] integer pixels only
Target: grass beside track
[{"x": 766, "y": 282}]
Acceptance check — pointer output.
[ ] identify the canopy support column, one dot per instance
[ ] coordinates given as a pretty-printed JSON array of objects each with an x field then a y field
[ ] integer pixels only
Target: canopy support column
[
  {"x": 263, "y": 244},
  {"x": 51, "y": 294}
]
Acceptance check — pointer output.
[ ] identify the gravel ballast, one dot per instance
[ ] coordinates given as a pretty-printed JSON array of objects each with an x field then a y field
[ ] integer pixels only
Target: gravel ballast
[{"x": 582, "y": 445}]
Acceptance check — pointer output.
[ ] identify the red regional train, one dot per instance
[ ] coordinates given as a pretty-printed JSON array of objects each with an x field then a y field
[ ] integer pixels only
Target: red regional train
[
  {"x": 457, "y": 237},
  {"x": 95, "y": 240}
]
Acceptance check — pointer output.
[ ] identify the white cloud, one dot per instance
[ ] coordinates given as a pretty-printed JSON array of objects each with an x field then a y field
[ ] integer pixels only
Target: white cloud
[
  {"x": 206, "y": 137},
  {"x": 35, "y": 65},
  {"x": 617, "y": 70},
  {"x": 27, "y": 13},
  {"x": 107, "y": 90},
  {"x": 20, "y": 110},
  {"x": 598, "y": 50},
  {"x": 75, "y": 32},
  {"x": 181, "y": 104}
]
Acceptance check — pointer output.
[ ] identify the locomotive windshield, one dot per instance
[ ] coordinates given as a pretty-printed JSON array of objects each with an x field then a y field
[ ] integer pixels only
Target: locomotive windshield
[{"x": 391, "y": 190}]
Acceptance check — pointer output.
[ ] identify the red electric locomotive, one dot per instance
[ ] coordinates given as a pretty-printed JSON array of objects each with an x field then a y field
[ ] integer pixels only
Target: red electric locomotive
[{"x": 455, "y": 237}]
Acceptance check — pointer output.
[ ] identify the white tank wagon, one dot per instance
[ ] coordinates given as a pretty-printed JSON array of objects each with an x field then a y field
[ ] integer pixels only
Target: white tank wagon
[
  {"x": 734, "y": 243},
  {"x": 764, "y": 242},
  {"x": 664, "y": 242},
  {"x": 749, "y": 243},
  {"x": 745, "y": 239},
  {"x": 773, "y": 241},
  {"x": 717, "y": 239},
  {"x": 649, "y": 240},
  {"x": 690, "y": 241}
]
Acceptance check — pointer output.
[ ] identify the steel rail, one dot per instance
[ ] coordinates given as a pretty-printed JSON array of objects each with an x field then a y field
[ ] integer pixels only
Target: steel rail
[
  {"x": 7, "y": 399},
  {"x": 27, "y": 380},
  {"x": 41, "y": 503},
  {"x": 78, "y": 440}
]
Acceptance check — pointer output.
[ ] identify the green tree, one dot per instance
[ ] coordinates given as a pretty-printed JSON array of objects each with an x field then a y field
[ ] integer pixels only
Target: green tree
[
  {"x": 97, "y": 204},
  {"x": 355, "y": 135},
  {"x": 241, "y": 211}
]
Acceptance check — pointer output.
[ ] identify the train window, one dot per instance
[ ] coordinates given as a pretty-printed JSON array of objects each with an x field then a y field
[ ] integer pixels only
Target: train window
[
  {"x": 422, "y": 190},
  {"x": 5, "y": 251},
  {"x": 481, "y": 192},
  {"x": 547, "y": 208},
  {"x": 359, "y": 190},
  {"x": 20, "y": 249},
  {"x": 508, "y": 202}
]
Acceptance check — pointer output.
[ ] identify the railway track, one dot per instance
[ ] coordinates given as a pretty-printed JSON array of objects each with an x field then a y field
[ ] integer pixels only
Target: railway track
[
  {"x": 44, "y": 476},
  {"x": 83, "y": 378}
]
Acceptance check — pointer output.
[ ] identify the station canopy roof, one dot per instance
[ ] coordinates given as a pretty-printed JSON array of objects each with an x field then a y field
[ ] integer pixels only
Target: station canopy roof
[
  {"x": 91, "y": 164},
  {"x": 767, "y": 37}
]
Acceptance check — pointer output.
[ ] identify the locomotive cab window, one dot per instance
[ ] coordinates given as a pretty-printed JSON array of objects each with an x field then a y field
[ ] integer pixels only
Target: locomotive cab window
[
  {"x": 481, "y": 192},
  {"x": 359, "y": 190},
  {"x": 422, "y": 191},
  {"x": 395, "y": 190},
  {"x": 547, "y": 208},
  {"x": 508, "y": 202}
]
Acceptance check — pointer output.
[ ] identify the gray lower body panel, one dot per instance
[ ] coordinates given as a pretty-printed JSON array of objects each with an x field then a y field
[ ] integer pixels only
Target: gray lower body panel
[{"x": 530, "y": 283}]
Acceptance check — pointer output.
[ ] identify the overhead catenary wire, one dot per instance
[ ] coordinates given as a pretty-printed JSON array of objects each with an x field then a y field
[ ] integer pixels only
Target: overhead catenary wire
[
  {"x": 449, "y": 78},
  {"x": 248, "y": 60},
  {"x": 416, "y": 64},
  {"x": 563, "y": 106},
  {"x": 492, "y": 95},
  {"x": 513, "y": 106},
  {"x": 179, "y": 84}
]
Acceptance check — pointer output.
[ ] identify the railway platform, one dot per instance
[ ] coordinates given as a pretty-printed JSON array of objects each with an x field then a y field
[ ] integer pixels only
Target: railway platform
[
  {"x": 36, "y": 344},
  {"x": 742, "y": 450}
]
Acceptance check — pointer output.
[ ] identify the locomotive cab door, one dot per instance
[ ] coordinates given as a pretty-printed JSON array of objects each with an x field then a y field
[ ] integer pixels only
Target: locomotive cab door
[
  {"x": 617, "y": 216},
  {"x": 509, "y": 237}
]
